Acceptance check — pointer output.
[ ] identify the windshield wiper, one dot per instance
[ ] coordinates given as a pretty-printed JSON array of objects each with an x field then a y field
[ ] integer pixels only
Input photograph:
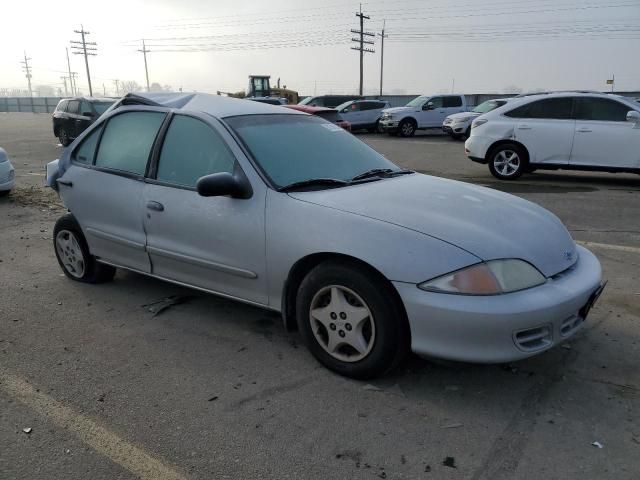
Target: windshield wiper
[
  {"x": 312, "y": 182},
  {"x": 380, "y": 172}
]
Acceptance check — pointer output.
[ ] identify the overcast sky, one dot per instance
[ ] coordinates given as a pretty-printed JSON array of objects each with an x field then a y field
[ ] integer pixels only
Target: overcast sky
[{"x": 209, "y": 45}]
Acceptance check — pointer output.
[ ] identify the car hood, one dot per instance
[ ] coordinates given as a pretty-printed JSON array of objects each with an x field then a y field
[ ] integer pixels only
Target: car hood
[
  {"x": 485, "y": 222},
  {"x": 399, "y": 110},
  {"x": 456, "y": 116}
]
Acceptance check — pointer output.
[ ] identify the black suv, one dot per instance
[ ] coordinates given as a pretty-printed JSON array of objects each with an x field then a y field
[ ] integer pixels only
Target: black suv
[{"x": 73, "y": 115}]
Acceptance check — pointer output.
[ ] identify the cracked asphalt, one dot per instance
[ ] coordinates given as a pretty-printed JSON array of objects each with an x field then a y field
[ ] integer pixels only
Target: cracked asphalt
[{"x": 213, "y": 389}]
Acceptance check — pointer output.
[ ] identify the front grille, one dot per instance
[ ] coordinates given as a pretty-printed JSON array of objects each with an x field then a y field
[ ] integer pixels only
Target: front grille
[
  {"x": 570, "y": 325},
  {"x": 533, "y": 339}
]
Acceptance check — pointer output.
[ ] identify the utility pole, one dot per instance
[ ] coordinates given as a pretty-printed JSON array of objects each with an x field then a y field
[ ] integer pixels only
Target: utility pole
[
  {"x": 453, "y": 84},
  {"x": 382, "y": 37},
  {"x": 146, "y": 70},
  {"x": 70, "y": 76},
  {"x": 361, "y": 48},
  {"x": 81, "y": 48},
  {"x": 66, "y": 92},
  {"x": 27, "y": 71},
  {"x": 116, "y": 81},
  {"x": 74, "y": 87}
]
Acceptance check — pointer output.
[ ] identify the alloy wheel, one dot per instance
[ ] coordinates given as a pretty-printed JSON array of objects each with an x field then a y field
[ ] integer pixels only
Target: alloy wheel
[
  {"x": 70, "y": 253},
  {"x": 342, "y": 323},
  {"x": 407, "y": 129},
  {"x": 507, "y": 162}
]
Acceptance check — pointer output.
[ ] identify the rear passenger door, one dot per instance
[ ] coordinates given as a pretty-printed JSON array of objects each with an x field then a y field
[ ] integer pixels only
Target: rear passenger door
[
  {"x": 215, "y": 243},
  {"x": 104, "y": 186},
  {"x": 603, "y": 137},
  {"x": 545, "y": 127}
]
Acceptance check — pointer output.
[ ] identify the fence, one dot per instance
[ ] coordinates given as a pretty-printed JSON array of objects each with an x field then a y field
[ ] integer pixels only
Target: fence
[{"x": 29, "y": 104}]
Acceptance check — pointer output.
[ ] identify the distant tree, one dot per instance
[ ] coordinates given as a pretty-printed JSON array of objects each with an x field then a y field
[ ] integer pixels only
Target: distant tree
[
  {"x": 512, "y": 89},
  {"x": 128, "y": 86}
]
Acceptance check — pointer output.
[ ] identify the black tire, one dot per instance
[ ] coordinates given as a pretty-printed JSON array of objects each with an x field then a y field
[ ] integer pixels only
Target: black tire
[
  {"x": 507, "y": 161},
  {"x": 379, "y": 127},
  {"x": 92, "y": 272},
  {"x": 390, "y": 341},
  {"x": 407, "y": 128},
  {"x": 467, "y": 133},
  {"x": 64, "y": 138},
  {"x": 4, "y": 193}
]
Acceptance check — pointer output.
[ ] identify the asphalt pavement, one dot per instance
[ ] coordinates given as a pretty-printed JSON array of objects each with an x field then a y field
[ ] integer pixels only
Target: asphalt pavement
[{"x": 94, "y": 386}]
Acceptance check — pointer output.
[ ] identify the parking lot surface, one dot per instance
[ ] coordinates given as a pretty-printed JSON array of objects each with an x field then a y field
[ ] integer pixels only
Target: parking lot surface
[{"x": 93, "y": 385}]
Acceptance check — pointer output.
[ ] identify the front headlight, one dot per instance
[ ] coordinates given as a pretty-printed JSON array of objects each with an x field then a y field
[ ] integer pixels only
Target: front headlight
[
  {"x": 463, "y": 119},
  {"x": 487, "y": 278}
]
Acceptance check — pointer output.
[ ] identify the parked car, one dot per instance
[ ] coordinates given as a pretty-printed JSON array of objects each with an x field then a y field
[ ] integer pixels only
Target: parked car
[
  {"x": 458, "y": 125},
  {"x": 281, "y": 210},
  {"x": 564, "y": 130},
  {"x": 7, "y": 174},
  {"x": 363, "y": 114},
  {"x": 421, "y": 113},
  {"x": 73, "y": 115},
  {"x": 329, "y": 101},
  {"x": 329, "y": 114},
  {"x": 269, "y": 100}
]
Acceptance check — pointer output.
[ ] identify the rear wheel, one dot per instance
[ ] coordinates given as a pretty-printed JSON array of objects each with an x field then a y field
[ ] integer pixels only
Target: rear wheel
[
  {"x": 508, "y": 161},
  {"x": 73, "y": 254},
  {"x": 64, "y": 138},
  {"x": 407, "y": 128},
  {"x": 350, "y": 322}
]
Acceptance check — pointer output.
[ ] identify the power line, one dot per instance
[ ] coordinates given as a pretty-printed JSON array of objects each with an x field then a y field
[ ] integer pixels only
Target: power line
[
  {"x": 146, "y": 70},
  {"x": 81, "y": 48},
  {"x": 361, "y": 48},
  {"x": 27, "y": 71}
]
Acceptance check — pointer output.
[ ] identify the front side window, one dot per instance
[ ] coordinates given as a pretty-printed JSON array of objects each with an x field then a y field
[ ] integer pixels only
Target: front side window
[
  {"x": 549, "y": 108},
  {"x": 85, "y": 108},
  {"x": 192, "y": 149},
  {"x": 438, "y": 102},
  {"x": 86, "y": 151},
  {"x": 603, "y": 109},
  {"x": 294, "y": 148},
  {"x": 127, "y": 140},
  {"x": 452, "y": 102}
]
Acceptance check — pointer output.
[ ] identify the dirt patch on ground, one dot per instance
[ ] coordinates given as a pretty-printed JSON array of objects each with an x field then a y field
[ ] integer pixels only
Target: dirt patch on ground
[{"x": 36, "y": 196}]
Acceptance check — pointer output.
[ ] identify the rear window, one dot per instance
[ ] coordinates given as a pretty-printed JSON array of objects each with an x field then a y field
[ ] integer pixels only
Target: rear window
[{"x": 452, "y": 102}]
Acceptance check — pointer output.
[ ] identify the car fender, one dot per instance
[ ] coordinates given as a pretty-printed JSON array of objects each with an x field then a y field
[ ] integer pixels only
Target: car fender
[{"x": 296, "y": 229}]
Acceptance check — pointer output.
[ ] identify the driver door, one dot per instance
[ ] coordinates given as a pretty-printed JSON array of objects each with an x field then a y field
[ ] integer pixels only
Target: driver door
[{"x": 432, "y": 113}]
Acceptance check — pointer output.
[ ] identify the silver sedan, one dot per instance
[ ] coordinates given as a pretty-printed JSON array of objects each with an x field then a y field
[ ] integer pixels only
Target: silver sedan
[{"x": 286, "y": 211}]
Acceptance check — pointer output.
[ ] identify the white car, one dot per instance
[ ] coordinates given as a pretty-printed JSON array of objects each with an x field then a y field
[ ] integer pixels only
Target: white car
[
  {"x": 562, "y": 130},
  {"x": 363, "y": 114},
  {"x": 7, "y": 174},
  {"x": 458, "y": 125},
  {"x": 421, "y": 113}
]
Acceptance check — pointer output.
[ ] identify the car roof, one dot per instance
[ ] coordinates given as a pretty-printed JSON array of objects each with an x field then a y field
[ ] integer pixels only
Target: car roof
[
  {"x": 91, "y": 99},
  {"x": 215, "y": 105},
  {"x": 308, "y": 109}
]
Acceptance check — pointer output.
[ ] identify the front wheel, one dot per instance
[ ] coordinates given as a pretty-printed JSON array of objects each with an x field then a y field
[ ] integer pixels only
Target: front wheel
[
  {"x": 507, "y": 162},
  {"x": 73, "y": 254},
  {"x": 407, "y": 128},
  {"x": 350, "y": 322},
  {"x": 64, "y": 138}
]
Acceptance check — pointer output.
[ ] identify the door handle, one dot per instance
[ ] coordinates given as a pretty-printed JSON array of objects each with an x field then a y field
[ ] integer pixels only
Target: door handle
[
  {"x": 524, "y": 127},
  {"x": 583, "y": 130},
  {"x": 157, "y": 206},
  {"x": 66, "y": 183}
]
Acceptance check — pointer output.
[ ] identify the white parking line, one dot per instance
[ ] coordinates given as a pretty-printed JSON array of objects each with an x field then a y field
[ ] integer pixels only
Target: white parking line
[
  {"x": 609, "y": 246},
  {"x": 102, "y": 440}
]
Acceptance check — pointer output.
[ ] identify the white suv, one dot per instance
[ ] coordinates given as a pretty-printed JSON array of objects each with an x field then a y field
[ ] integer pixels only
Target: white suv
[{"x": 563, "y": 130}]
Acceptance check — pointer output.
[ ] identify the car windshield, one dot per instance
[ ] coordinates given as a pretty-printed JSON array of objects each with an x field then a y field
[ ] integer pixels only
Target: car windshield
[
  {"x": 295, "y": 148},
  {"x": 101, "y": 107},
  {"x": 416, "y": 102},
  {"x": 487, "y": 106}
]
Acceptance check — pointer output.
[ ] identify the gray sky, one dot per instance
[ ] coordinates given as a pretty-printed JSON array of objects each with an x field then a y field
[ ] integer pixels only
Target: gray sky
[{"x": 210, "y": 45}]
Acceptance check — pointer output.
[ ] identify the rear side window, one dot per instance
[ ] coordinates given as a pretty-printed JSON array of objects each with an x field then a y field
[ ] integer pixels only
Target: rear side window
[
  {"x": 73, "y": 106},
  {"x": 62, "y": 106},
  {"x": 600, "y": 109},
  {"x": 549, "y": 108},
  {"x": 85, "y": 108},
  {"x": 452, "y": 102},
  {"x": 127, "y": 141},
  {"x": 85, "y": 152},
  {"x": 192, "y": 149},
  {"x": 372, "y": 105}
]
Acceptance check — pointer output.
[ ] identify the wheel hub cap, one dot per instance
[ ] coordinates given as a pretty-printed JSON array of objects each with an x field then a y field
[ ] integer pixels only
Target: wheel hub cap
[
  {"x": 70, "y": 253},
  {"x": 342, "y": 323},
  {"x": 507, "y": 162}
]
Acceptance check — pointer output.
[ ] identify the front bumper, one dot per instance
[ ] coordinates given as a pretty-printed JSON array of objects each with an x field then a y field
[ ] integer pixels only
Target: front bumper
[
  {"x": 455, "y": 128},
  {"x": 502, "y": 328},
  {"x": 389, "y": 124}
]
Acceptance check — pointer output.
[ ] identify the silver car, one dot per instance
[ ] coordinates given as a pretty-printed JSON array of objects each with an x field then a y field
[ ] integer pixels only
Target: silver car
[
  {"x": 289, "y": 212},
  {"x": 7, "y": 174}
]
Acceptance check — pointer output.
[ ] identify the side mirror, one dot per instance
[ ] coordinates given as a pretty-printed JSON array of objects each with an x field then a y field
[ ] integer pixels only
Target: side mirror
[
  {"x": 428, "y": 106},
  {"x": 224, "y": 184},
  {"x": 633, "y": 116}
]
